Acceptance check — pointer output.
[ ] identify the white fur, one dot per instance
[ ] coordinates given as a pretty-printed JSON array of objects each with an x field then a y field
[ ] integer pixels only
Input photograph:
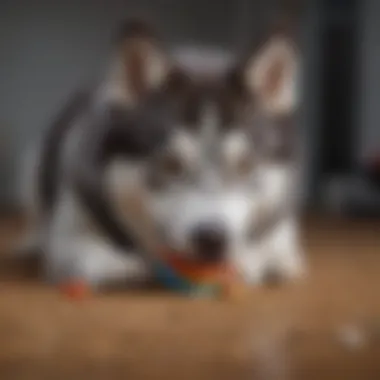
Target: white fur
[
  {"x": 277, "y": 181},
  {"x": 122, "y": 176},
  {"x": 206, "y": 199},
  {"x": 75, "y": 249},
  {"x": 182, "y": 211},
  {"x": 186, "y": 146},
  {"x": 115, "y": 89},
  {"x": 88, "y": 254},
  {"x": 285, "y": 98},
  {"x": 157, "y": 66},
  {"x": 280, "y": 251},
  {"x": 235, "y": 146}
]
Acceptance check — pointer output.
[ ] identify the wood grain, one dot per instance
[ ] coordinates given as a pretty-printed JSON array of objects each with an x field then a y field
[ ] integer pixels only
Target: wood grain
[{"x": 282, "y": 333}]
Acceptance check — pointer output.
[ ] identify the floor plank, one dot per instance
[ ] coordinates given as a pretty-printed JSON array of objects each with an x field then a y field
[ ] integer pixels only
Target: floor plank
[{"x": 300, "y": 331}]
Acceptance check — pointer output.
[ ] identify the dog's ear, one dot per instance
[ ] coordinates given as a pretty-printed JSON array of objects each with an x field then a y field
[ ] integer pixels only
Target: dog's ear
[
  {"x": 143, "y": 59},
  {"x": 270, "y": 74}
]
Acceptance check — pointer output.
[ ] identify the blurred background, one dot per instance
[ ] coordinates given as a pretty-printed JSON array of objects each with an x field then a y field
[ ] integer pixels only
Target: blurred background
[{"x": 47, "y": 48}]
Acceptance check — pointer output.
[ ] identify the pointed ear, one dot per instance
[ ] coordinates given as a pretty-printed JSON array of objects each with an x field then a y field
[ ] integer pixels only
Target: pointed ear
[
  {"x": 142, "y": 61},
  {"x": 271, "y": 76}
]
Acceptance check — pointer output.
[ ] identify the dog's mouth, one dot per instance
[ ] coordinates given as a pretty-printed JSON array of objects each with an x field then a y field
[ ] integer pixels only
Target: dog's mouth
[
  {"x": 188, "y": 265},
  {"x": 191, "y": 260}
]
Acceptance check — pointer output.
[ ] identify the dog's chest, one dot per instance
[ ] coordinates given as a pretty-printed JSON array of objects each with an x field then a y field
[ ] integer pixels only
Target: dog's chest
[{"x": 277, "y": 181}]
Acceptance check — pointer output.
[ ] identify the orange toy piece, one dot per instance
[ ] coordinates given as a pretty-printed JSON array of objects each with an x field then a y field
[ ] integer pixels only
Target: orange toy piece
[
  {"x": 75, "y": 289},
  {"x": 196, "y": 271}
]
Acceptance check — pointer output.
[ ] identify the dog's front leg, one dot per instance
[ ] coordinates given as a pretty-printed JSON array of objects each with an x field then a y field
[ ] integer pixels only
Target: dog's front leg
[
  {"x": 250, "y": 263},
  {"x": 284, "y": 250},
  {"x": 93, "y": 261},
  {"x": 277, "y": 255}
]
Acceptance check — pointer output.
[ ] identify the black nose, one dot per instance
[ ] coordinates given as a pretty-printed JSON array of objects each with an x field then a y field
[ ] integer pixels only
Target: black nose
[{"x": 210, "y": 241}]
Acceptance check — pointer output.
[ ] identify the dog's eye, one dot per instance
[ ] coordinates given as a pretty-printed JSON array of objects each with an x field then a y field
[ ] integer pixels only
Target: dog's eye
[
  {"x": 172, "y": 165},
  {"x": 165, "y": 169},
  {"x": 245, "y": 165}
]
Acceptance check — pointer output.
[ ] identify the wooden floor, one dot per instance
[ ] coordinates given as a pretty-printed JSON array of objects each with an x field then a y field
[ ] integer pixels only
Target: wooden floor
[{"x": 327, "y": 327}]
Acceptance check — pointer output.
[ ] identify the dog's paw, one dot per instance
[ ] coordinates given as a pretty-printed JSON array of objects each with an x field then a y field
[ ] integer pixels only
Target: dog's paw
[
  {"x": 286, "y": 268},
  {"x": 258, "y": 268},
  {"x": 250, "y": 268}
]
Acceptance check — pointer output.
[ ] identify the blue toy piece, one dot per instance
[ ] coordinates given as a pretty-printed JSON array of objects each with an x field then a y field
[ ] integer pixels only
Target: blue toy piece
[{"x": 171, "y": 279}]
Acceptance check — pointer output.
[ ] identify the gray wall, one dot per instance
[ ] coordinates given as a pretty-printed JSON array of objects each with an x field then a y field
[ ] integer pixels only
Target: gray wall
[
  {"x": 48, "y": 47},
  {"x": 369, "y": 119}
]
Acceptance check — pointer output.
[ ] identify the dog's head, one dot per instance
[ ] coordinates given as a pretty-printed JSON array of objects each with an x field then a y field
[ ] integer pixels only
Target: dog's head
[{"x": 203, "y": 181}]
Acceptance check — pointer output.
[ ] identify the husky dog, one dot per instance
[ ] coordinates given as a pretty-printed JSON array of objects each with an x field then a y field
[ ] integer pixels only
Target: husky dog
[{"x": 194, "y": 151}]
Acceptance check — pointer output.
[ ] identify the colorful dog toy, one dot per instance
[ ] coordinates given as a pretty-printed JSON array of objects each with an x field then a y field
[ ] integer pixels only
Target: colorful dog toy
[
  {"x": 193, "y": 278},
  {"x": 180, "y": 275}
]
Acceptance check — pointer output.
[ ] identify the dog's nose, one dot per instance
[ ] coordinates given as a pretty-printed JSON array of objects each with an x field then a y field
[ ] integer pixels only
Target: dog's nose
[{"x": 210, "y": 241}]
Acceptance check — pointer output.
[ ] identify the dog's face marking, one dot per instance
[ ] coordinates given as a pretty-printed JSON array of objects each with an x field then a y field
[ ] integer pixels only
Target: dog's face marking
[{"x": 205, "y": 175}]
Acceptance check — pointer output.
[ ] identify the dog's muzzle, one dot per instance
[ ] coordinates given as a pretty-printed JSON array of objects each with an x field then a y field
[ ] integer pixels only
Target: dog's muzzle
[{"x": 210, "y": 241}]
